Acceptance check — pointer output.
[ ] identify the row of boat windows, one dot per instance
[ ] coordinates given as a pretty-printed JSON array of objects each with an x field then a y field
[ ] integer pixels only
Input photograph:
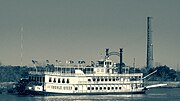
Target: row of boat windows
[
  {"x": 104, "y": 79},
  {"x": 113, "y": 79},
  {"x": 37, "y": 78},
  {"x": 88, "y": 88},
  {"x": 58, "y": 80},
  {"x": 104, "y": 88}
]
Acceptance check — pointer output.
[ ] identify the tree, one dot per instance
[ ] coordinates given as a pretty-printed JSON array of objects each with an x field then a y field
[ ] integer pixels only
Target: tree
[{"x": 164, "y": 73}]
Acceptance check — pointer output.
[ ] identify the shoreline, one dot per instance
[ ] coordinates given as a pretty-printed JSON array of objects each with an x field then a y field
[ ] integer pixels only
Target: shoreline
[
  {"x": 170, "y": 84},
  {"x": 5, "y": 86}
]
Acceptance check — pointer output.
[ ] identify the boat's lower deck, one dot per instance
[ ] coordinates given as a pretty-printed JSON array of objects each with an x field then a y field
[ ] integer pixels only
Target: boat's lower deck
[{"x": 86, "y": 89}]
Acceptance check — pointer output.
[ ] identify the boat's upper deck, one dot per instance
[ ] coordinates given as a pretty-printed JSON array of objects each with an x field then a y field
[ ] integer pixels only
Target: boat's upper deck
[{"x": 102, "y": 68}]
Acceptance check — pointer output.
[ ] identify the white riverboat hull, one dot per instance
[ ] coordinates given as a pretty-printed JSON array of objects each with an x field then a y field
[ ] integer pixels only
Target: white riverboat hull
[{"x": 93, "y": 93}]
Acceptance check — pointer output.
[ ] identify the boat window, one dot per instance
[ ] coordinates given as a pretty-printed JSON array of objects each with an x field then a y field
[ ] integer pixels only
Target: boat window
[
  {"x": 29, "y": 78},
  {"x": 92, "y": 88},
  {"x": 113, "y": 79},
  {"x": 101, "y": 63},
  {"x": 102, "y": 79},
  {"x": 94, "y": 79},
  {"x": 104, "y": 88},
  {"x": 116, "y": 88},
  {"x": 50, "y": 79},
  {"x": 100, "y": 88},
  {"x": 59, "y": 81},
  {"x": 112, "y": 88},
  {"x": 54, "y": 80},
  {"x": 119, "y": 87},
  {"x": 37, "y": 78},
  {"x": 89, "y": 79},
  {"x": 88, "y": 88},
  {"x": 117, "y": 78},
  {"x": 97, "y": 79},
  {"x": 96, "y": 88},
  {"x": 108, "y": 63},
  {"x": 105, "y": 79},
  {"x": 63, "y": 81},
  {"x": 76, "y": 88},
  {"x": 67, "y": 81},
  {"x": 108, "y": 88},
  {"x": 109, "y": 79}
]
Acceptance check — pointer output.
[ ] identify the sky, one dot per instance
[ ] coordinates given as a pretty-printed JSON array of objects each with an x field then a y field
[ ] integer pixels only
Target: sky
[{"x": 83, "y": 29}]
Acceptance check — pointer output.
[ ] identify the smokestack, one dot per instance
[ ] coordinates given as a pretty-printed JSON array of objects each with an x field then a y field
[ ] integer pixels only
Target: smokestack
[
  {"x": 120, "y": 60},
  {"x": 149, "y": 62},
  {"x": 107, "y": 52}
]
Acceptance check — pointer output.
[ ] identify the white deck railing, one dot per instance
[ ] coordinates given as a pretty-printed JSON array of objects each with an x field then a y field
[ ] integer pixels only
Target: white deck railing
[{"x": 86, "y": 75}]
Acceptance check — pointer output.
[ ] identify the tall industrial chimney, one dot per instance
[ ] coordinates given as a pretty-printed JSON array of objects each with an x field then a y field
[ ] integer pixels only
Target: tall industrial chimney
[{"x": 149, "y": 62}]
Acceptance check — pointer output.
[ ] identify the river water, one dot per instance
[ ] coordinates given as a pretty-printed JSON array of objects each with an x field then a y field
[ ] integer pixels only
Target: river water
[{"x": 158, "y": 94}]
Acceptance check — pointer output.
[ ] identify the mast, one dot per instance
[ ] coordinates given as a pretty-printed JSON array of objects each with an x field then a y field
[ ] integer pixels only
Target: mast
[{"x": 21, "y": 45}]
